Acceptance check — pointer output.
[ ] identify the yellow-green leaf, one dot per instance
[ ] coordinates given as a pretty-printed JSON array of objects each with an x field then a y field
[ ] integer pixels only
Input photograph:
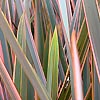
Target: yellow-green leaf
[{"x": 52, "y": 72}]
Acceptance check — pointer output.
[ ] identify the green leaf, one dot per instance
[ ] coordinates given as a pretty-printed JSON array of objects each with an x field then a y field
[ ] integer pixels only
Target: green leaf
[
  {"x": 20, "y": 77},
  {"x": 52, "y": 73},
  {"x": 46, "y": 53},
  {"x": 34, "y": 53},
  {"x": 65, "y": 90},
  {"x": 5, "y": 53},
  {"x": 62, "y": 55},
  {"x": 31, "y": 44},
  {"x": 30, "y": 89},
  {"x": 29, "y": 71},
  {"x": 90, "y": 10},
  {"x": 39, "y": 37},
  {"x": 83, "y": 42},
  {"x": 96, "y": 85},
  {"x": 86, "y": 76},
  {"x": 23, "y": 85},
  {"x": 74, "y": 19},
  {"x": 83, "y": 35},
  {"x": 51, "y": 13},
  {"x": 61, "y": 72},
  {"x": 8, "y": 82},
  {"x": 65, "y": 93}
]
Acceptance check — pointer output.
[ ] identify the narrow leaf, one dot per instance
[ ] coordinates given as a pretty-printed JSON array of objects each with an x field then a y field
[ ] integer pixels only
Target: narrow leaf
[
  {"x": 31, "y": 43},
  {"x": 46, "y": 53},
  {"x": 64, "y": 16},
  {"x": 8, "y": 82},
  {"x": 51, "y": 13},
  {"x": 5, "y": 53},
  {"x": 52, "y": 73},
  {"x": 30, "y": 72},
  {"x": 39, "y": 37},
  {"x": 90, "y": 9},
  {"x": 76, "y": 69},
  {"x": 20, "y": 77},
  {"x": 1, "y": 92}
]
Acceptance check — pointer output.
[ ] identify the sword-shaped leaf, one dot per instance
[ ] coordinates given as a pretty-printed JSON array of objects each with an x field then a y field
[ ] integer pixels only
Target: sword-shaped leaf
[
  {"x": 8, "y": 82},
  {"x": 90, "y": 9},
  {"x": 5, "y": 53},
  {"x": 31, "y": 43},
  {"x": 52, "y": 72},
  {"x": 20, "y": 77},
  {"x": 29, "y": 71}
]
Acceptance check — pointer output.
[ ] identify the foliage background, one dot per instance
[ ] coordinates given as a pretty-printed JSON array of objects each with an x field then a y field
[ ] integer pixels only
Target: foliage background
[{"x": 49, "y": 49}]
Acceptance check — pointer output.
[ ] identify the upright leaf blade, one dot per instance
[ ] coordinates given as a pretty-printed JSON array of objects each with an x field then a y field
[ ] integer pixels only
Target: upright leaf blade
[
  {"x": 19, "y": 7},
  {"x": 5, "y": 53},
  {"x": 26, "y": 6},
  {"x": 90, "y": 9},
  {"x": 76, "y": 12},
  {"x": 46, "y": 54},
  {"x": 51, "y": 13},
  {"x": 96, "y": 86},
  {"x": 20, "y": 77},
  {"x": 52, "y": 73},
  {"x": 30, "y": 72},
  {"x": 64, "y": 16},
  {"x": 31, "y": 43},
  {"x": 39, "y": 37},
  {"x": 8, "y": 82}
]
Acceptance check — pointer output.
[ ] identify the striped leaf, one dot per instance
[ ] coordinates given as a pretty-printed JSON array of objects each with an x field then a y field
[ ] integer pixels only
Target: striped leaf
[
  {"x": 52, "y": 73},
  {"x": 29, "y": 71},
  {"x": 20, "y": 77}
]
